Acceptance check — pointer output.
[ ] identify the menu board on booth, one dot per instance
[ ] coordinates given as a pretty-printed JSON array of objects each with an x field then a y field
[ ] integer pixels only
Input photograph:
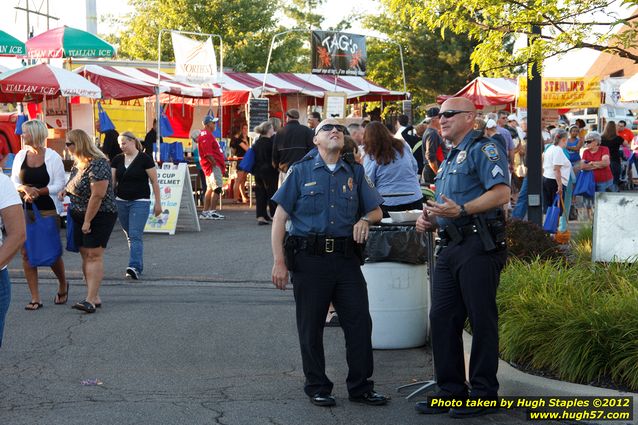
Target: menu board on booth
[
  {"x": 257, "y": 112},
  {"x": 176, "y": 197}
]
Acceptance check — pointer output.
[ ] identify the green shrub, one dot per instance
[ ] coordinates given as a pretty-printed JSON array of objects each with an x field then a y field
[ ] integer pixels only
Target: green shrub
[
  {"x": 527, "y": 241},
  {"x": 577, "y": 320}
]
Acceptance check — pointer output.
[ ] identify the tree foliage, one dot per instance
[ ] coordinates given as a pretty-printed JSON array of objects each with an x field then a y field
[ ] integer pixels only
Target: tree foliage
[
  {"x": 565, "y": 25},
  {"x": 246, "y": 27},
  {"x": 434, "y": 63}
]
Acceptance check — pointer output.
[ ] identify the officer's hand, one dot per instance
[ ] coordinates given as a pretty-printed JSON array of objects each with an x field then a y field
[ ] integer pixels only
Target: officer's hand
[
  {"x": 448, "y": 208},
  {"x": 424, "y": 223},
  {"x": 360, "y": 231},
  {"x": 280, "y": 275}
]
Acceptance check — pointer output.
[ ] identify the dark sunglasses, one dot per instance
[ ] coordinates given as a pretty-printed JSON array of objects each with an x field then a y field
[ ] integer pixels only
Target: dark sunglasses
[
  {"x": 69, "y": 144},
  {"x": 450, "y": 113},
  {"x": 330, "y": 127}
]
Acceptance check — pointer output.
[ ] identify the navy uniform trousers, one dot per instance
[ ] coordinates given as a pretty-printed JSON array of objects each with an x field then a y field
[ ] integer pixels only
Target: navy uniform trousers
[
  {"x": 464, "y": 286},
  {"x": 317, "y": 281}
]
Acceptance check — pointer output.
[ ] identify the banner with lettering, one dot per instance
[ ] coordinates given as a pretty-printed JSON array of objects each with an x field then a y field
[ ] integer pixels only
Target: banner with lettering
[
  {"x": 338, "y": 53},
  {"x": 564, "y": 93},
  {"x": 171, "y": 183},
  {"x": 195, "y": 61}
]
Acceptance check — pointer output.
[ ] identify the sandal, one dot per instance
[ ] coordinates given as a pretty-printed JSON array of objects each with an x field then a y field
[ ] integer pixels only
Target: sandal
[
  {"x": 33, "y": 306},
  {"x": 62, "y": 297},
  {"x": 85, "y": 306}
]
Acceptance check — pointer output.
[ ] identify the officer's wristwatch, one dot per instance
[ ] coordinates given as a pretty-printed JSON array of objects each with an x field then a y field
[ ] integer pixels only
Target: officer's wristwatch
[
  {"x": 365, "y": 218},
  {"x": 462, "y": 212}
]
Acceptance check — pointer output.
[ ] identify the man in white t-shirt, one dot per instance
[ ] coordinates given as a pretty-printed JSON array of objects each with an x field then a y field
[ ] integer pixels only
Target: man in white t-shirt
[{"x": 12, "y": 220}]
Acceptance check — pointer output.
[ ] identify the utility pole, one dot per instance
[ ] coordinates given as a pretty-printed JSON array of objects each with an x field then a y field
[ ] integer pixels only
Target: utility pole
[
  {"x": 28, "y": 11},
  {"x": 534, "y": 140}
]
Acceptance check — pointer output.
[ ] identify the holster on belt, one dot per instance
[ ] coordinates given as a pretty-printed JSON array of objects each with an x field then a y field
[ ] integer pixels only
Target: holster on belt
[{"x": 290, "y": 249}]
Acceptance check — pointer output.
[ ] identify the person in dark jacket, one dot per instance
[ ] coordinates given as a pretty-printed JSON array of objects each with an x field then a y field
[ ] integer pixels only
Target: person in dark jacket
[
  {"x": 110, "y": 145},
  {"x": 415, "y": 143},
  {"x": 265, "y": 174},
  {"x": 151, "y": 139},
  {"x": 292, "y": 142}
]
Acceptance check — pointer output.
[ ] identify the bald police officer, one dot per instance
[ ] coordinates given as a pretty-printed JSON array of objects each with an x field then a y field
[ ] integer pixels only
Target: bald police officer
[
  {"x": 471, "y": 186},
  {"x": 330, "y": 204}
]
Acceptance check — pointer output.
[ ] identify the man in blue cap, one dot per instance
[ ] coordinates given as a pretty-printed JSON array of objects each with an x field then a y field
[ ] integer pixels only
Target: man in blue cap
[{"x": 330, "y": 203}]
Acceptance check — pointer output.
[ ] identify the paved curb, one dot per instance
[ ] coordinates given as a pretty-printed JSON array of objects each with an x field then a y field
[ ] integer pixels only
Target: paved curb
[{"x": 513, "y": 382}]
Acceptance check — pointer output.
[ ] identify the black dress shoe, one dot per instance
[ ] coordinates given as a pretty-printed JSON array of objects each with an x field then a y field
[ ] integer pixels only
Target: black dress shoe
[
  {"x": 370, "y": 398},
  {"x": 322, "y": 399},
  {"x": 471, "y": 412},
  {"x": 427, "y": 408}
]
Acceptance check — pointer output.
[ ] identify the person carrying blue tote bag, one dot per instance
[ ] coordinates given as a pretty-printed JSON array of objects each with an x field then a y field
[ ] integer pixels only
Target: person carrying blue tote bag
[
  {"x": 585, "y": 184},
  {"x": 248, "y": 162},
  {"x": 43, "y": 245},
  {"x": 553, "y": 214}
]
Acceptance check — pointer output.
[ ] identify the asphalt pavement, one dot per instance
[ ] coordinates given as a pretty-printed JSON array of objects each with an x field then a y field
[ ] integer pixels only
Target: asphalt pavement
[{"x": 204, "y": 338}]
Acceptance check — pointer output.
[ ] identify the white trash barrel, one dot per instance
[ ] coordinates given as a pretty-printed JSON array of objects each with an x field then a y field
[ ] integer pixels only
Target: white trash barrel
[{"x": 399, "y": 303}]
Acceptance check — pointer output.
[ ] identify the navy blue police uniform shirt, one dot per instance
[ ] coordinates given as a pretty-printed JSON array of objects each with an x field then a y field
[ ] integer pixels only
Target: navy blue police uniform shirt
[
  {"x": 471, "y": 169},
  {"x": 326, "y": 202}
]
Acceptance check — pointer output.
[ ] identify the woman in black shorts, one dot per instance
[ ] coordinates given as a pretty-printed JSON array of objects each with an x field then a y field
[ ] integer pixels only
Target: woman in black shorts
[{"x": 93, "y": 211}]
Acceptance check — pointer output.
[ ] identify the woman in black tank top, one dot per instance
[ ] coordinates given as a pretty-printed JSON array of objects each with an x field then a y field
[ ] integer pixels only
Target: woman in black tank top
[{"x": 38, "y": 170}]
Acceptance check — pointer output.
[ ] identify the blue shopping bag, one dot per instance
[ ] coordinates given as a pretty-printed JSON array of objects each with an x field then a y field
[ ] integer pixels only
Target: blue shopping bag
[
  {"x": 71, "y": 246},
  {"x": 248, "y": 162},
  {"x": 553, "y": 214},
  {"x": 177, "y": 152},
  {"x": 43, "y": 243},
  {"x": 105, "y": 122},
  {"x": 585, "y": 184}
]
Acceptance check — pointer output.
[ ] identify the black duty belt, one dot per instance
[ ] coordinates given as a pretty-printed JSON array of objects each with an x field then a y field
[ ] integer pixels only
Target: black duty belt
[
  {"x": 470, "y": 229},
  {"x": 319, "y": 245}
]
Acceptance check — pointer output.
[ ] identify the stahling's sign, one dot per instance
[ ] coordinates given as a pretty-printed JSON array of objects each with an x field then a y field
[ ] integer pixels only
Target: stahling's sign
[
  {"x": 338, "y": 53},
  {"x": 195, "y": 61},
  {"x": 564, "y": 93}
]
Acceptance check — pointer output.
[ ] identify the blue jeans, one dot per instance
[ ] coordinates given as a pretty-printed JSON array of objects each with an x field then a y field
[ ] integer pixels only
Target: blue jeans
[
  {"x": 520, "y": 210},
  {"x": 5, "y": 298},
  {"x": 133, "y": 216}
]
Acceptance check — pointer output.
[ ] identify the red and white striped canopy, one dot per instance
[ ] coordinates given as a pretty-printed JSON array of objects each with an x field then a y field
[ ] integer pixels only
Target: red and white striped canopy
[{"x": 124, "y": 83}]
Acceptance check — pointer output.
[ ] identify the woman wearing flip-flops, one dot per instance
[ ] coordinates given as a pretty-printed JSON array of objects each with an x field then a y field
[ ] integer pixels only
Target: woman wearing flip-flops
[
  {"x": 93, "y": 211},
  {"x": 38, "y": 176}
]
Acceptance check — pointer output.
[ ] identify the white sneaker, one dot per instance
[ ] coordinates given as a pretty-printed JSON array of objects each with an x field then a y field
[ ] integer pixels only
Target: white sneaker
[
  {"x": 205, "y": 215},
  {"x": 214, "y": 215}
]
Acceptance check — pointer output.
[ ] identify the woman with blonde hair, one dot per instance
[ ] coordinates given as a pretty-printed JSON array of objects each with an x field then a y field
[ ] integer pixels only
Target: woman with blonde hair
[
  {"x": 38, "y": 176},
  {"x": 92, "y": 209},
  {"x": 132, "y": 170}
]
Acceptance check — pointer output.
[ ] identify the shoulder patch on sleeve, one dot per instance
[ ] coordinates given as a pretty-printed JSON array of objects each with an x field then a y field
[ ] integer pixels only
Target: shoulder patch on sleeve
[
  {"x": 491, "y": 152},
  {"x": 368, "y": 180}
]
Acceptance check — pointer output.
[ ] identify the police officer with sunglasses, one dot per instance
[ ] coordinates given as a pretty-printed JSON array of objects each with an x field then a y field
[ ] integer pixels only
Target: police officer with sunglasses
[
  {"x": 330, "y": 204},
  {"x": 472, "y": 185}
]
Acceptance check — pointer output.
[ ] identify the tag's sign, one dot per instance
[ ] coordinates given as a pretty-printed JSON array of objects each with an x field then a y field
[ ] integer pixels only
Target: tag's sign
[{"x": 338, "y": 53}]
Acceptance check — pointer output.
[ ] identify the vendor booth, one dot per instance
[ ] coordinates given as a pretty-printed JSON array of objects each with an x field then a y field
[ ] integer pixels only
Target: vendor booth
[{"x": 488, "y": 94}]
